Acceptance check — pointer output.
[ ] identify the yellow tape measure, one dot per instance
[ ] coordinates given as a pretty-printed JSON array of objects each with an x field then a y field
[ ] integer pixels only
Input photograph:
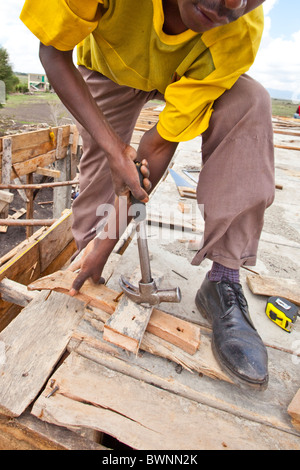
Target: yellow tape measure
[{"x": 282, "y": 312}]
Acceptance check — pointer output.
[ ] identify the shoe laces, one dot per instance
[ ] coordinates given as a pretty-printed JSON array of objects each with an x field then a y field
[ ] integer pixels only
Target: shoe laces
[{"x": 235, "y": 296}]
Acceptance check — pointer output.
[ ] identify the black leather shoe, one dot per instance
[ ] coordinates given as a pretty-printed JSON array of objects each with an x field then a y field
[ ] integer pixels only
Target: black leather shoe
[{"x": 235, "y": 342}]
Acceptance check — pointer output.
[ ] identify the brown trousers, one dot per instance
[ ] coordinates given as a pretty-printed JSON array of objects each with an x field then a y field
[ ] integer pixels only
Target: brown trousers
[{"x": 236, "y": 182}]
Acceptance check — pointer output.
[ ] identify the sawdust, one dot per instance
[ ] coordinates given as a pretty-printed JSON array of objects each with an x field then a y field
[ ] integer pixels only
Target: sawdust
[
  {"x": 179, "y": 248},
  {"x": 276, "y": 224},
  {"x": 280, "y": 266}
]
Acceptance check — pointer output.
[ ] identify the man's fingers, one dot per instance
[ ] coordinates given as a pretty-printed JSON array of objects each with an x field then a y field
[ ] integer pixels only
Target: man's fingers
[
  {"x": 74, "y": 266},
  {"x": 78, "y": 283},
  {"x": 140, "y": 194},
  {"x": 80, "y": 280},
  {"x": 146, "y": 174}
]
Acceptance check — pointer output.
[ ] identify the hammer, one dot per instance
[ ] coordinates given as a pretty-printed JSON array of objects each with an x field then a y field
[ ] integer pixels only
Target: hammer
[{"x": 146, "y": 293}]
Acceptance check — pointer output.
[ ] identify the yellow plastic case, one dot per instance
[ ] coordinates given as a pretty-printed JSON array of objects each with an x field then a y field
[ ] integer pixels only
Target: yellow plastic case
[{"x": 282, "y": 312}]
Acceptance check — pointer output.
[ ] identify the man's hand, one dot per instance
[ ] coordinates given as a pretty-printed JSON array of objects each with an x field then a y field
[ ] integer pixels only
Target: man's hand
[
  {"x": 91, "y": 265},
  {"x": 125, "y": 177},
  {"x": 94, "y": 256}
]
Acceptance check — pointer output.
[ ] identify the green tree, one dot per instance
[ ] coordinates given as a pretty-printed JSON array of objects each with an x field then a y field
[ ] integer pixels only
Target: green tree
[{"x": 6, "y": 72}]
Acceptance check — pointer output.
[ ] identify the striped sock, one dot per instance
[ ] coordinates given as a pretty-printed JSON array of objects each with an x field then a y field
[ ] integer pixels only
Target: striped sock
[{"x": 219, "y": 272}]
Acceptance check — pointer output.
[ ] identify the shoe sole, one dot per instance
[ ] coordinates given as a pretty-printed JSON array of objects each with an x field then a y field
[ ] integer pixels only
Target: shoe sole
[{"x": 237, "y": 379}]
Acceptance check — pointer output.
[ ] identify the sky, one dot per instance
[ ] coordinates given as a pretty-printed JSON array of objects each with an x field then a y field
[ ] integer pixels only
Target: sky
[{"x": 277, "y": 64}]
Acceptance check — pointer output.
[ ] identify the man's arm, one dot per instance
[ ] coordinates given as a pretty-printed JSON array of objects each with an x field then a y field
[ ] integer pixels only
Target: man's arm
[
  {"x": 158, "y": 152},
  {"x": 74, "y": 93}
]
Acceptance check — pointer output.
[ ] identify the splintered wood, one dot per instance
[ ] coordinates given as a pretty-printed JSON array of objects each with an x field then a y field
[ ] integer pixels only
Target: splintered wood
[
  {"x": 127, "y": 325},
  {"x": 144, "y": 416},
  {"x": 46, "y": 325},
  {"x": 179, "y": 332}
]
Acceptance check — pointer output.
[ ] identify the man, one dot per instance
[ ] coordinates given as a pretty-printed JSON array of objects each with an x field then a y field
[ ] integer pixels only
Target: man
[{"x": 194, "y": 54}]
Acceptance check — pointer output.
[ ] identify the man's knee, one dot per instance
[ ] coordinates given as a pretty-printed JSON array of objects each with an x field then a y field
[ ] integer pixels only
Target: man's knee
[
  {"x": 262, "y": 99},
  {"x": 257, "y": 98}
]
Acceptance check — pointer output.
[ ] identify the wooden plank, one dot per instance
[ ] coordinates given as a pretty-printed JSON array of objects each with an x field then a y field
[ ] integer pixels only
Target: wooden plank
[
  {"x": 6, "y": 160},
  {"x": 29, "y": 205},
  {"x": 61, "y": 195},
  {"x": 16, "y": 215},
  {"x": 272, "y": 286},
  {"x": 61, "y": 259},
  {"x": 24, "y": 267},
  {"x": 48, "y": 172},
  {"x": 15, "y": 292},
  {"x": 286, "y": 147},
  {"x": 6, "y": 196},
  {"x": 46, "y": 325},
  {"x": 294, "y": 407},
  {"x": 31, "y": 144},
  {"x": 6, "y": 173},
  {"x": 270, "y": 409},
  {"x": 278, "y": 131},
  {"x": 11, "y": 222},
  {"x": 54, "y": 241},
  {"x": 23, "y": 264},
  {"x": 42, "y": 249},
  {"x": 29, "y": 433},
  {"x": 39, "y": 185},
  {"x": 106, "y": 299},
  {"x": 23, "y": 245},
  {"x": 90, "y": 332},
  {"x": 171, "y": 328},
  {"x": 145, "y": 417},
  {"x": 127, "y": 325},
  {"x": 61, "y": 281},
  {"x": 30, "y": 166}
]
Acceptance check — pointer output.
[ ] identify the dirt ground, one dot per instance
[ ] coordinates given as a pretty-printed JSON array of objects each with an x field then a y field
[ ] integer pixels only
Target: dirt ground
[
  {"x": 26, "y": 118},
  {"x": 33, "y": 115}
]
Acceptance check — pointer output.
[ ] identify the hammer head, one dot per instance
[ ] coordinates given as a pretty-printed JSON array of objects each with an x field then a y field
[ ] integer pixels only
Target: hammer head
[{"x": 149, "y": 294}]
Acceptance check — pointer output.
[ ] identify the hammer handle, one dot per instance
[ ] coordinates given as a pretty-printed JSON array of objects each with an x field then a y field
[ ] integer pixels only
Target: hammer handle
[
  {"x": 141, "y": 233},
  {"x": 132, "y": 198}
]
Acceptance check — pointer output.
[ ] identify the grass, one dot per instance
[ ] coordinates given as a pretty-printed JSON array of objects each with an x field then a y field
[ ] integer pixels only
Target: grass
[
  {"x": 283, "y": 108},
  {"x": 19, "y": 99},
  {"x": 279, "y": 107}
]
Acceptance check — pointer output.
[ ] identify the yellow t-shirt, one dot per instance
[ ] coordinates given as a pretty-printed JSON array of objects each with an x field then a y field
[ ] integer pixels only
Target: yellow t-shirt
[{"x": 125, "y": 41}]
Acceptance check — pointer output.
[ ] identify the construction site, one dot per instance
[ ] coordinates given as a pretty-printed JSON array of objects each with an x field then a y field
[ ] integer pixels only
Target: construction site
[{"x": 87, "y": 372}]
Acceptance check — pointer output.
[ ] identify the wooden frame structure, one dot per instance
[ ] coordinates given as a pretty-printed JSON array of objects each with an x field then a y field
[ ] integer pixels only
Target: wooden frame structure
[{"x": 48, "y": 152}]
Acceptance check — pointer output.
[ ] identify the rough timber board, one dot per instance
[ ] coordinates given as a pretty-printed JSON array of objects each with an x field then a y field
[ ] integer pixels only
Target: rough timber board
[
  {"x": 202, "y": 361},
  {"x": 36, "y": 149},
  {"x": 294, "y": 407},
  {"x": 34, "y": 258},
  {"x": 30, "y": 433},
  {"x": 32, "y": 344},
  {"x": 191, "y": 376},
  {"x": 106, "y": 299},
  {"x": 145, "y": 417},
  {"x": 42, "y": 253},
  {"x": 127, "y": 325},
  {"x": 272, "y": 286}
]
